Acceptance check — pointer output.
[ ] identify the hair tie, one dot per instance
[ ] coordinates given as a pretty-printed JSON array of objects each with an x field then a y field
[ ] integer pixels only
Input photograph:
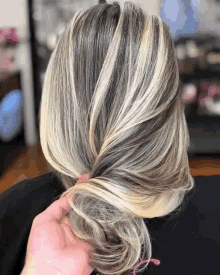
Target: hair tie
[{"x": 155, "y": 261}]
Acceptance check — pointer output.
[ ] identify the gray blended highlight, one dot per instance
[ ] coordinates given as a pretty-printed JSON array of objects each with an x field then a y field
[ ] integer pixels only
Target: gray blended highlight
[{"x": 111, "y": 107}]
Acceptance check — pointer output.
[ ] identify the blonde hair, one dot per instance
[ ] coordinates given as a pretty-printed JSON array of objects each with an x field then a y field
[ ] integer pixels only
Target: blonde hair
[{"x": 111, "y": 107}]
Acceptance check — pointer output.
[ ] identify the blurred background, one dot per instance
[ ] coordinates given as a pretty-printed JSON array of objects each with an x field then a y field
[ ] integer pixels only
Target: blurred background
[{"x": 29, "y": 31}]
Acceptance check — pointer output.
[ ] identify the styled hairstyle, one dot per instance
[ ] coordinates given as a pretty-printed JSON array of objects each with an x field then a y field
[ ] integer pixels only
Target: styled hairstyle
[{"x": 111, "y": 107}]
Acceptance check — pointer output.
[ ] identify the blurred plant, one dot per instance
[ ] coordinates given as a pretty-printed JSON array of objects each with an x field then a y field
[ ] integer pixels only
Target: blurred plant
[
  {"x": 8, "y": 39},
  {"x": 8, "y": 36}
]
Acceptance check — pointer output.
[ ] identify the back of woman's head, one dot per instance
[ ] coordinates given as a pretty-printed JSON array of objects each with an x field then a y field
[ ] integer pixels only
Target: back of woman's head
[{"x": 111, "y": 107}]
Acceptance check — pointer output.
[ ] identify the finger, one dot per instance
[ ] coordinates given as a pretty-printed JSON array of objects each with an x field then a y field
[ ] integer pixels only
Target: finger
[
  {"x": 74, "y": 238},
  {"x": 83, "y": 178},
  {"x": 70, "y": 237},
  {"x": 56, "y": 211}
]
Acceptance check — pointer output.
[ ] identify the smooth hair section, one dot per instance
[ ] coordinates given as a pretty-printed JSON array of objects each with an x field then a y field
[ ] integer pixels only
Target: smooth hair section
[{"x": 111, "y": 107}]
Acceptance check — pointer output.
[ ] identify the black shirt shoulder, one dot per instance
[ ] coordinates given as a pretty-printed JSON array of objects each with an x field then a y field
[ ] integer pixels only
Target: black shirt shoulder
[
  {"x": 185, "y": 242},
  {"x": 19, "y": 205}
]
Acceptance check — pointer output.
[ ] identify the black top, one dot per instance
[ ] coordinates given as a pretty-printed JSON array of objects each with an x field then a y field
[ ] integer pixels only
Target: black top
[{"x": 187, "y": 243}]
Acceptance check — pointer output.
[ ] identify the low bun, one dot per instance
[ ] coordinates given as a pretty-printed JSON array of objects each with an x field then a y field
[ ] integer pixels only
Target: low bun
[{"x": 120, "y": 239}]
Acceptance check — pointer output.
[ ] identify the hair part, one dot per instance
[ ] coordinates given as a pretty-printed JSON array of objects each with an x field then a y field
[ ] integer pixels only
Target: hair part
[{"x": 111, "y": 107}]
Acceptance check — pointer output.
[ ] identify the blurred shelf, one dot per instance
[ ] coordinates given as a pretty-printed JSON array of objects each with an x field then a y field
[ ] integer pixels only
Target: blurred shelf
[
  {"x": 199, "y": 74},
  {"x": 204, "y": 134}
]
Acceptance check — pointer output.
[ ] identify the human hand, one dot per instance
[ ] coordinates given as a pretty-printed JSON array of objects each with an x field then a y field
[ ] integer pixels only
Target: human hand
[{"x": 52, "y": 245}]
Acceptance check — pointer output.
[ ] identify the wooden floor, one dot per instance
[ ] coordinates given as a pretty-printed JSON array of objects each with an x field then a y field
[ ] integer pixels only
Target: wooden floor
[{"x": 30, "y": 162}]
